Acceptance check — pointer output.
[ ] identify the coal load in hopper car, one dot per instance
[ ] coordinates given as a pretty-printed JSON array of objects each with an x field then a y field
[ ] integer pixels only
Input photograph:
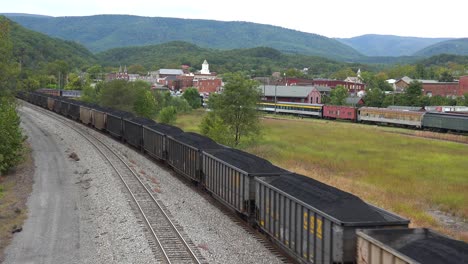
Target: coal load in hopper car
[
  {"x": 229, "y": 174},
  {"x": 418, "y": 245},
  {"x": 184, "y": 153},
  {"x": 154, "y": 139},
  {"x": 133, "y": 130},
  {"x": 313, "y": 221},
  {"x": 114, "y": 122}
]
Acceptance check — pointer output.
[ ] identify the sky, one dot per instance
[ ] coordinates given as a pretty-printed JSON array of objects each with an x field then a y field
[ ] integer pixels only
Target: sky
[{"x": 330, "y": 18}]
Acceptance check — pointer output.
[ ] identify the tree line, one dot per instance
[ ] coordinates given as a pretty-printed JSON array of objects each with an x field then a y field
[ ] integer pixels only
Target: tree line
[{"x": 11, "y": 138}]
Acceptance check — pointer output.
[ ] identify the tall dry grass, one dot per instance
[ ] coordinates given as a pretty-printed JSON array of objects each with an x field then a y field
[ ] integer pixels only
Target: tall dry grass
[{"x": 402, "y": 173}]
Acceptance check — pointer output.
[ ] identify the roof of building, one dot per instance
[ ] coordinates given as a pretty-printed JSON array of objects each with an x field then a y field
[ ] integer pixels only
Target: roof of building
[
  {"x": 171, "y": 71},
  {"x": 353, "y": 79},
  {"x": 286, "y": 91},
  {"x": 353, "y": 100},
  {"x": 405, "y": 79},
  {"x": 408, "y": 80},
  {"x": 322, "y": 88}
]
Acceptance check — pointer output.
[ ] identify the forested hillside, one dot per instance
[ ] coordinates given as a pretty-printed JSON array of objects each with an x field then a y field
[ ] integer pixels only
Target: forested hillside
[
  {"x": 261, "y": 61},
  {"x": 389, "y": 45},
  {"x": 103, "y": 32},
  {"x": 455, "y": 46},
  {"x": 33, "y": 49}
]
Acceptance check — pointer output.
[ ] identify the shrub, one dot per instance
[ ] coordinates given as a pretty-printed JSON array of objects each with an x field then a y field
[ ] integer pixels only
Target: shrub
[
  {"x": 168, "y": 115},
  {"x": 10, "y": 135}
]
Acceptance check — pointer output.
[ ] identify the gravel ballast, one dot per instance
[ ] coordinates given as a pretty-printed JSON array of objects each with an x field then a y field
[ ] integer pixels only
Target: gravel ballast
[
  {"x": 109, "y": 231},
  {"x": 217, "y": 237}
]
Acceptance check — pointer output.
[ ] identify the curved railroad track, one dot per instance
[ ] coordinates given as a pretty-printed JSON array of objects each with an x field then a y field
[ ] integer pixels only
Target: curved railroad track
[{"x": 169, "y": 244}]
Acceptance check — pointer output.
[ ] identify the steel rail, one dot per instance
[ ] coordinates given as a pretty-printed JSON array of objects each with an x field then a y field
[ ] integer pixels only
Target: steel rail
[{"x": 167, "y": 218}]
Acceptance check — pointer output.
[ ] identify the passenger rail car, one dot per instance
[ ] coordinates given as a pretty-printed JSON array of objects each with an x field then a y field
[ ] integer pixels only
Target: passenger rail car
[
  {"x": 312, "y": 110},
  {"x": 311, "y": 221},
  {"x": 390, "y": 116},
  {"x": 457, "y": 122}
]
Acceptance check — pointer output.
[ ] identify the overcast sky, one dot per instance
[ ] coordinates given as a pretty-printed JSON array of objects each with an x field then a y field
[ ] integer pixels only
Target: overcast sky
[{"x": 331, "y": 18}]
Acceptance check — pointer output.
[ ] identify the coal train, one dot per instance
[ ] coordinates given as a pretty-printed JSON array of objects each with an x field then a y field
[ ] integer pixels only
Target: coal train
[
  {"x": 429, "y": 120},
  {"x": 311, "y": 221}
]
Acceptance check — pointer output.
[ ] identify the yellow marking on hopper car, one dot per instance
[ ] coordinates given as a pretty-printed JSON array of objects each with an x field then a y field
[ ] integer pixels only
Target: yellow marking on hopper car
[{"x": 312, "y": 225}]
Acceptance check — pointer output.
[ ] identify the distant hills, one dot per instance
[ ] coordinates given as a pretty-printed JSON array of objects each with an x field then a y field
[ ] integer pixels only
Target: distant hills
[
  {"x": 103, "y": 32},
  {"x": 389, "y": 45},
  {"x": 260, "y": 61},
  {"x": 34, "y": 49},
  {"x": 454, "y": 46}
]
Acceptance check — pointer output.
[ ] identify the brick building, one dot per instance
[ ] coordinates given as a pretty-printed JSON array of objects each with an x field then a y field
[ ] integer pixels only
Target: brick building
[
  {"x": 350, "y": 86},
  {"x": 294, "y": 94},
  {"x": 208, "y": 85},
  {"x": 433, "y": 88}
]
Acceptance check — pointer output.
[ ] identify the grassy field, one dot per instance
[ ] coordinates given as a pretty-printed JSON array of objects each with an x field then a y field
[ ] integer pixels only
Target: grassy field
[{"x": 405, "y": 174}]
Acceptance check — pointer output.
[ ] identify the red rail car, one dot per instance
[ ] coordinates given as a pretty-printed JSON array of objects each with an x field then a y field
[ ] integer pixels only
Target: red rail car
[{"x": 340, "y": 112}]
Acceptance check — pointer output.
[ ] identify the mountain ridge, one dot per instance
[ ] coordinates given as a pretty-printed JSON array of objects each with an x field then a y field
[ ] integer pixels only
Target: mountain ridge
[
  {"x": 34, "y": 48},
  {"x": 453, "y": 46},
  {"x": 389, "y": 45},
  {"x": 103, "y": 32}
]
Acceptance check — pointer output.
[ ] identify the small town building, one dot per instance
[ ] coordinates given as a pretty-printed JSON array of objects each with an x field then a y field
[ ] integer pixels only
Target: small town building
[
  {"x": 162, "y": 73},
  {"x": 295, "y": 94},
  {"x": 354, "y": 101},
  {"x": 435, "y": 88},
  {"x": 120, "y": 75},
  {"x": 208, "y": 85}
]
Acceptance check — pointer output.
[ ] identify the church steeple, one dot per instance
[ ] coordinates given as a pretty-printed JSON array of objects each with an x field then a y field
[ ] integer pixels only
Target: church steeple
[{"x": 205, "y": 68}]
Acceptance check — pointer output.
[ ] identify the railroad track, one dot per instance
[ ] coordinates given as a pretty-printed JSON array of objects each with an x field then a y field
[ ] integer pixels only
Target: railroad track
[{"x": 169, "y": 244}]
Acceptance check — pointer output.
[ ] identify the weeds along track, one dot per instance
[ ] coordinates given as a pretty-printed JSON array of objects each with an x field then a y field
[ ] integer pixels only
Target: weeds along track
[{"x": 168, "y": 243}]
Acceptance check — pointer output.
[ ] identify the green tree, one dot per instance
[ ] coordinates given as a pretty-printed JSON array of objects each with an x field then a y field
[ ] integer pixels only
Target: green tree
[
  {"x": 445, "y": 76},
  {"x": 145, "y": 104},
  {"x": 95, "y": 72},
  {"x": 463, "y": 100},
  {"x": 60, "y": 70},
  {"x": 137, "y": 69},
  {"x": 74, "y": 82},
  {"x": 193, "y": 97},
  {"x": 420, "y": 71},
  {"x": 291, "y": 72},
  {"x": 8, "y": 67},
  {"x": 338, "y": 95},
  {"x": 31, "y": 84},
  {"x": 214, "y": 127},
  {"x": 117, "y": 94},
  {"x": 236, "y": 106},
  {"x": 10, "y": 135},
  {"x": 180, "y": 104},
  {"x": 438, "y": 100},
  {"x": 90, "y": 94},
  {"x": 413, "y": 93},
  {"x": 374, "y": 97},
  {"x": 168, "y": 115},
  {"x": 343, "y": 74}
]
